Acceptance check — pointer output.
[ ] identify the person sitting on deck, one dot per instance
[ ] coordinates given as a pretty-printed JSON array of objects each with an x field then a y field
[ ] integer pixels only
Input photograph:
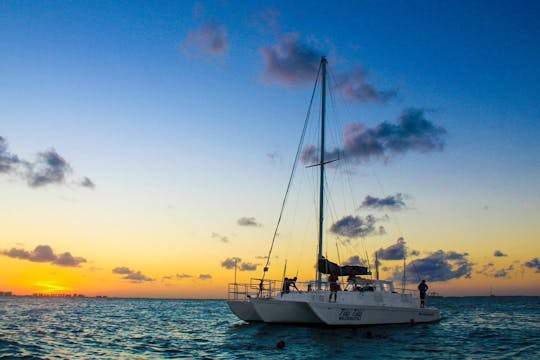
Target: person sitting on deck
[
  {"x": 351, "y": 281},
  {"x": 334, "y": 286}
]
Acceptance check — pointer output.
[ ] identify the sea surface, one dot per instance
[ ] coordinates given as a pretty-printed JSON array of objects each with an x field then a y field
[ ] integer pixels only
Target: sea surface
[{"x": 84, "y": 328}]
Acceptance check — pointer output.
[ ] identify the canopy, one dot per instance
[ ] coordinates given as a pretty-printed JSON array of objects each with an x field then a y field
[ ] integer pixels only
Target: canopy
[{"x": 328, "y": 267}]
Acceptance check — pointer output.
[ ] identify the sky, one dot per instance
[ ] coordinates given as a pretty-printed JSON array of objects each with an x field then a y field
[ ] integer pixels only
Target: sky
[{"x": 146, "y": 145}]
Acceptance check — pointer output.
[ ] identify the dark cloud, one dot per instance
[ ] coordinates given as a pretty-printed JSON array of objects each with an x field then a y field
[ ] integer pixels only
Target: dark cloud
[
  {"x": 248, "y": 267},
  {"x": 414, "y": 253},
  {"x": 440, "y": 266},
  {"x": 166, "y": 278},
  {"x": 183, "y": 276},
  {"x": 499, "y": 253},
  {"x": 66, "y": 259},
  {"x": 391, "y": 202},
  {"x": 354, "y": 261},
  {"x": 8, "y": 162},
  {"x": 221, "y": 238},
  {"x": 49, "y": 168},
  {"x": 86, "y": 182},
  {"x": 121, "y": 270},
  {"x": 132, "y": 275},
  {"x": 205, "y": 277},
  {"x": 293, "y": 62},
  {"x": 533, "y": 264},
  {"x": 209, "y": 39},
  {"x": 355, "y": 86},
  {"x": 290, "y": 61},
  {"x": 229, "y": 263},
  {"x": 397, "y": 251},
  {"x": 44, "y": 253},
  {"x": 412, "y": 132},
  {"x": 354, "y": 226},
  {"x": 248, "y": 221}
]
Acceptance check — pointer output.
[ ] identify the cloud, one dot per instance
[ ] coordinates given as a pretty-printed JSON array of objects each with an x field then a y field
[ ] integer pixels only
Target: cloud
[
  {"x": 121, "y": 270},
  {"x": 248, "y": 267},
  {"x": 183, "y": 276},
  {"x": 412, "y": 132},
  {"x": 132, "y": 275},
  {"x": 8, "y": 162},
  {"x": 86, "y": 182},
  {"x": 205, "y": 277},
  {"x": 391, "y": 202},
  {"x": 209, "y": 39},
  {"x": 291, "y": 61},
  {"x": 499, "y": 253},
  {"x": 66, "y": 259},
  {"x": 44, "y": 253},
  {"x": 354, "y": 86},
  {"x": 248, "y": 221},
  {"x": 229, "y": 263},
  {"x": 440, "y": 266},
  {"x": 533, "y": 264},
  {"x": 353, "y": 261},
  {"x": 354, "y": 226},
  {"x": 221, "y": 238},
  {"x": 48, "y": 168},
  {"x": 397, "y": 251},
  {"x": 165, "y": 278}
]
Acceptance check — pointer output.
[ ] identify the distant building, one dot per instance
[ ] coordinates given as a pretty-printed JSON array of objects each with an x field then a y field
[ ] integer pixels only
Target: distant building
[{"x": 6, "y": 293}]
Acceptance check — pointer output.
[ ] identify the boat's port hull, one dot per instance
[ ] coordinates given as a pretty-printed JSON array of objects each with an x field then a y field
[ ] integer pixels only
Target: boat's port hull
[
  {"x": 285, "y": 312},
  {"x": 244, "y": 309}
]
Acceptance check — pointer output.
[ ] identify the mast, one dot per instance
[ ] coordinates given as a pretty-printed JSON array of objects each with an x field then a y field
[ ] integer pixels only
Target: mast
[{"x": 321, "y": 176}]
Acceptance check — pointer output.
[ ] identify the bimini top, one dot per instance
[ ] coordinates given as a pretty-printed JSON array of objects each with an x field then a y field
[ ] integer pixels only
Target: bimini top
[{"x": 328, "y": 267}]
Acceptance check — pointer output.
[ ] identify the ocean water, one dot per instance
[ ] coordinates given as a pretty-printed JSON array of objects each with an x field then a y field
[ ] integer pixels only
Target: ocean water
[{"x": 72, "y": 328}]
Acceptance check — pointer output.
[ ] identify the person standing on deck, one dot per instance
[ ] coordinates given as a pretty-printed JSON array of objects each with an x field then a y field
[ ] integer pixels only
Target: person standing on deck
[
  {"x": 334, "y": 286},
  {"x": 423, "y": 288}
]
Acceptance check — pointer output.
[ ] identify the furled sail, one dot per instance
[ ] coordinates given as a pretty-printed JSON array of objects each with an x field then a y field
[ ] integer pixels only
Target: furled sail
[{"x": 328, "y": 267}]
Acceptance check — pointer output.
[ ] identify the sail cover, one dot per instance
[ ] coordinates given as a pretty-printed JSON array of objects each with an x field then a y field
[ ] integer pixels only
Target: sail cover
[{"x": 328, "y": 267}]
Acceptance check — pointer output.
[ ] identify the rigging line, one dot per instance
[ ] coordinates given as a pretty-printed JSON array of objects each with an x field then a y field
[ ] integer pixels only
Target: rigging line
[{"x": 297, "y": 156}]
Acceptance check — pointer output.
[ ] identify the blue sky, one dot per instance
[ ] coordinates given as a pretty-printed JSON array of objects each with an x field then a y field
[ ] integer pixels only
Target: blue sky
[{"x": 173, "y": 129}]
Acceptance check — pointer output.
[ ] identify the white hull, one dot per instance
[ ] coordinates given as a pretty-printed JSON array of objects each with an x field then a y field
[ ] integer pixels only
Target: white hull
[
  {"x": 244, "y": 309},
  {"x": 336, "y": 314},
  {"x": 351, "y": 309},
  {"x": 285, "y": 311}
]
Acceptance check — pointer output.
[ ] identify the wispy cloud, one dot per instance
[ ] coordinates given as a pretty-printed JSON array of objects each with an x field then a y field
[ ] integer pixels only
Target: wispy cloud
[
  {"x": 183, "y": 276},
  {"x": 412, "y": 132},
  {"x": 132, "y": 275},
  {"x": 354, "y": 86},
  {"x": 248, "y": 221},
  {"x": 222, "y": 238},
  {"x": 205, "y": 277},
  {"x": 355, "y": 226},
  {"x": 391, "y": 202},
  {"x": 499, "y": 253},
  {"x": 209, "y": 39},
  {"x": 440, "y": 266},
  {"x": 245, "y": 266},
  {"x": 291, "y": 61},
  {"x": 44, "y": 253},
  {"x": 48, "y": 168}
]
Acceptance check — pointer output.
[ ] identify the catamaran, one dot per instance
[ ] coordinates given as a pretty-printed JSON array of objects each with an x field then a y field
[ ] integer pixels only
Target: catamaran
[{"x": 362, "y": 301}]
